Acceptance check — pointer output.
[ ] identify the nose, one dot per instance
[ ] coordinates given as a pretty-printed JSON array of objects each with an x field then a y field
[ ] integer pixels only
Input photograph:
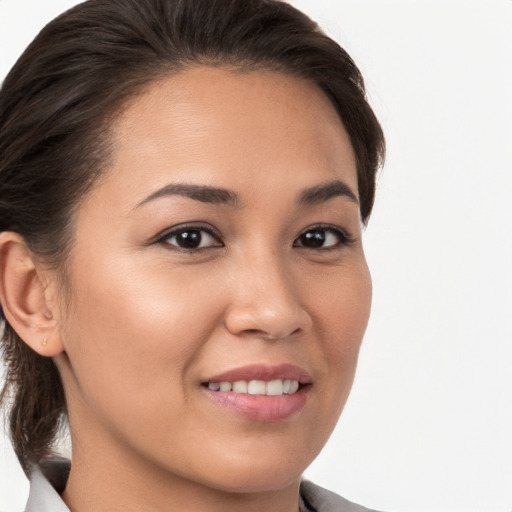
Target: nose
[{"x": 265, "y": 301}]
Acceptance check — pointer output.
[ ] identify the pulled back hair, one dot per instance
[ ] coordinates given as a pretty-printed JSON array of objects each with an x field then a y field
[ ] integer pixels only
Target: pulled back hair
[{"x": 59, "y": 101}]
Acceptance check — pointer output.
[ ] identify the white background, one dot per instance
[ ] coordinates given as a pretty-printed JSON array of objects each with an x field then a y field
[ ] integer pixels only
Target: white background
[{"x": 429, "y": 424}]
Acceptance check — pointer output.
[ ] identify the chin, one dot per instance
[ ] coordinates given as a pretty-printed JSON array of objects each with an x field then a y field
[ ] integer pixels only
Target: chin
[
  {"x": 264, "y": 471},
  {"x": 255, "y": 480}
]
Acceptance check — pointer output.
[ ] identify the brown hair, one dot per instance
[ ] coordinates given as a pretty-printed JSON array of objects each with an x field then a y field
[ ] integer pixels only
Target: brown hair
[{"x": 56, "y": 106}]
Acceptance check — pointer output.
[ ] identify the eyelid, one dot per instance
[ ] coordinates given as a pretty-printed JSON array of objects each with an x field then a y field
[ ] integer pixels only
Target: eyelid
[
  {"x": 346, "y": 237},
  {"x": 199, "y": 226}
]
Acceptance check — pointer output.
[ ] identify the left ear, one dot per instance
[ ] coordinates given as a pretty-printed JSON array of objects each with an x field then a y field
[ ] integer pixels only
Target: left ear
[{"x": 26, "y": 295}]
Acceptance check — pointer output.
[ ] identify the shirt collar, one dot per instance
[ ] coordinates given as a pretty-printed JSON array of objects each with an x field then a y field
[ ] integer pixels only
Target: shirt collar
[{"x": 46, "y": 481}]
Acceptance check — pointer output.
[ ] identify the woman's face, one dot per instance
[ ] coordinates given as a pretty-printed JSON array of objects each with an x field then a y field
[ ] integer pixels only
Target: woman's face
[{"x": 222, "y": 246}]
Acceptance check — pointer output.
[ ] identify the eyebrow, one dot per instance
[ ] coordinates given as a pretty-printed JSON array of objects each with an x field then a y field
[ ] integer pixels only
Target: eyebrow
[
  {"x": 203, "y": 193},
  {"x": 325, "y": 191},
  {"x": 216, "y": 195}
]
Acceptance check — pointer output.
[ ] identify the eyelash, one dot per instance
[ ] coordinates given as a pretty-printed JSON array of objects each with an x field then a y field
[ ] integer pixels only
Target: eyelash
[
  {"x": 344, "y": 239},
  {"x": 184, "y": 228}
]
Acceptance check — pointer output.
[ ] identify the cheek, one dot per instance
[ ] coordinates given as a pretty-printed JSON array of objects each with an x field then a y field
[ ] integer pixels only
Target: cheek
[
  {"x": 342, "y": 317},
  {"x": 343, "y": 305},
  {"x": 131, "y": 332}
]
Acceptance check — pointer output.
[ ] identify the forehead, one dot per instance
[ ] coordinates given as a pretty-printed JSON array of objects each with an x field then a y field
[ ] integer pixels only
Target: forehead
[{"x": 229, "y": 128}]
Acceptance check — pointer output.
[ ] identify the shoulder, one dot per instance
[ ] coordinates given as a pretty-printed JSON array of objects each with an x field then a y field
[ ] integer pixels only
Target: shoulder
[{"x": 317, "y": 499}]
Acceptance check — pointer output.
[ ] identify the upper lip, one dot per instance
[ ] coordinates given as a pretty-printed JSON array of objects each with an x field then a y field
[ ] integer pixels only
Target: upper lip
[{"x": 263, "y": 372}]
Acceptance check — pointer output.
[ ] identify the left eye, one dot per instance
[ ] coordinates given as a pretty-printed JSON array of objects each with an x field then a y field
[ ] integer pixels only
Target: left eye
[
  {"x": 191, "y": 239},
  {"x": 321, "y": 238}
]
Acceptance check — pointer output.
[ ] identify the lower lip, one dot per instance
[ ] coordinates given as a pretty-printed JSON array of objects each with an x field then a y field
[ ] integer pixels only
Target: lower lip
[{"x": 261, "y": 407}]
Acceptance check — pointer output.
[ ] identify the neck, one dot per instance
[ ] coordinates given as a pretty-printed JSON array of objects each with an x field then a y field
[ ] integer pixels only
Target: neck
[{"x": 130, "y": 484}]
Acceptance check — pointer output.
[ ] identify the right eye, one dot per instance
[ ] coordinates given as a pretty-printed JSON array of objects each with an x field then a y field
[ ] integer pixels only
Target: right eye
[{"x": 191, "y": 238}]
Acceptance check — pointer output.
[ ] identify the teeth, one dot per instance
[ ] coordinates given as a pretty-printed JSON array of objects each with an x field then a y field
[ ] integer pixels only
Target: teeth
[
  {"x": 275, "y": 387},
  {"x": 225, "y": 386},
  {"x": 240, "y": 386},
  {"x": 294, "y": 386},
  {"x": 257, "y": 387}
]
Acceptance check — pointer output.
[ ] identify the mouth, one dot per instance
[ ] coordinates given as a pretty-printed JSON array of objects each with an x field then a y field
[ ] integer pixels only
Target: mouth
[{"x": 259, "y": 392}]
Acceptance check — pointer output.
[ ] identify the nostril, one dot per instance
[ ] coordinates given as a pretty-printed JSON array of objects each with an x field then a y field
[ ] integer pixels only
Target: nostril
[
  {"x": 270, "y": 336},
  {"x": 258, "y": 333}
]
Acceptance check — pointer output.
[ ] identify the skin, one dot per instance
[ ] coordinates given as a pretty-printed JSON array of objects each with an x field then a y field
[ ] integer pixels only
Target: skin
[{"x": 147, "y": 321}]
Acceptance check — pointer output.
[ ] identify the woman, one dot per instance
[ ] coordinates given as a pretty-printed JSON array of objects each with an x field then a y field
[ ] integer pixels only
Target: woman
[{"x": 182, "y": 189}]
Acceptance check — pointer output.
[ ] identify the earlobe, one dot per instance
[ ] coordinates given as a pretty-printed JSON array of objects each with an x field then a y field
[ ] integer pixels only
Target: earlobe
[{"x": 24, "y": 296}]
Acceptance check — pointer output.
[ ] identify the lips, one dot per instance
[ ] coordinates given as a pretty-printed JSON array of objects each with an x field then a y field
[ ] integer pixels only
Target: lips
[
  {"x": 260, "y": 392},
  {"x": 264, "y": 372}
]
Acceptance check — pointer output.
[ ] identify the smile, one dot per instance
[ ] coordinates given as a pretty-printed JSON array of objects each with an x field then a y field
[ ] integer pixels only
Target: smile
[
  {"x": 261, "y": 392},
  {"x": 257, "y": 387}
]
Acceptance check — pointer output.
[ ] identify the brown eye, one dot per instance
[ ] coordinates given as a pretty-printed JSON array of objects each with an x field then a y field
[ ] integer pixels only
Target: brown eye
[
  {"x": 321, "y": 238},
  {"x": 191, "y": 239}
]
